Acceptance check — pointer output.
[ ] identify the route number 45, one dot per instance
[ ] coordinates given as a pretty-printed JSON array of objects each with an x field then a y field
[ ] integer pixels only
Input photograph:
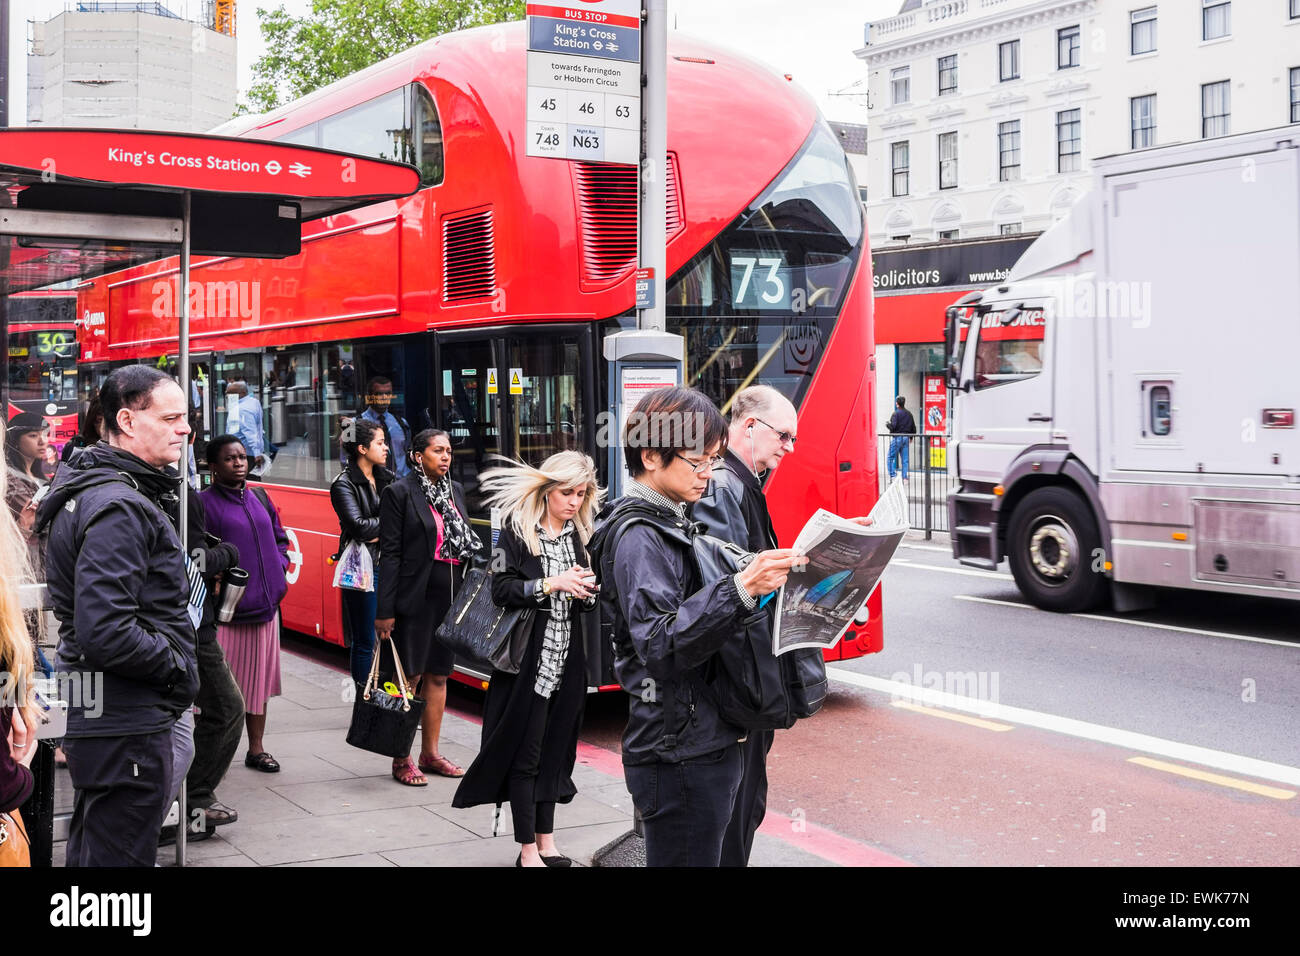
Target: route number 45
[{"x": 775, "y": 291}]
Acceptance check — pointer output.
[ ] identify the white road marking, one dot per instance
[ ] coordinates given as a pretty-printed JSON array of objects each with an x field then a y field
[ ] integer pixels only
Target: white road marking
[
  {"x": 1122, "y": 620},
  {"x": 1145, "y": 743},
  {"x": 972, "y": 572},
  {"x": 926, "y": 547}
]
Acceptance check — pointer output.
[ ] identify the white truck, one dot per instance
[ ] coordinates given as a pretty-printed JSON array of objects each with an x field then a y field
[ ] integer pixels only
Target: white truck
[{"x": 1126, "y": 399}]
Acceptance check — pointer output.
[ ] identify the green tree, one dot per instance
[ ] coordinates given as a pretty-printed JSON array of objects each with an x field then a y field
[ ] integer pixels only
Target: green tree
[{"x": 340, "y": 37}]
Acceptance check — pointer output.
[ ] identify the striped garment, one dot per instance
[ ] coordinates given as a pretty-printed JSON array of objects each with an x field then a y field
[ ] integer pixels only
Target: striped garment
[
  {"x": 557, "y": 557},
  {"x": 253, "y": 654}
]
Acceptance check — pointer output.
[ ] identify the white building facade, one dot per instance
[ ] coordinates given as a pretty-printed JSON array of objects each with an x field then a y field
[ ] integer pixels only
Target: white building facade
[
  {"x": 121, "y": 66},
  {"x": 983, "y": 114}
]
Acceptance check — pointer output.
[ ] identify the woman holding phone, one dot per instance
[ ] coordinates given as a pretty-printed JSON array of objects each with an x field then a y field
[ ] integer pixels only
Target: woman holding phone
[{"x": 531, "y": 719}]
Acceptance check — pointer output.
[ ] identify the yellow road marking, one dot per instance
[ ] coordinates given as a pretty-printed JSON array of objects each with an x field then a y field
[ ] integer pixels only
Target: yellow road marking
[
  {"x": 960, "y": 718},
  {"x": 1275, "y": 792}
]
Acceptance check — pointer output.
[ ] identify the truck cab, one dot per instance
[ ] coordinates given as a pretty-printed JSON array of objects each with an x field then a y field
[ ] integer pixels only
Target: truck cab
[{"x": 1125, "y": 401}]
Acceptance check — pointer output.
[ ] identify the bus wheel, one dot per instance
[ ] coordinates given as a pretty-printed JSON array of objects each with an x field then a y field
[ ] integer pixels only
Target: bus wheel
[{"x": 1054, "y": 549}]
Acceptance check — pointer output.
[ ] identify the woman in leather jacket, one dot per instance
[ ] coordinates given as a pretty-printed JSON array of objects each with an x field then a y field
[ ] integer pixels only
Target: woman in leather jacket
[{"x": 354, "y": 494}]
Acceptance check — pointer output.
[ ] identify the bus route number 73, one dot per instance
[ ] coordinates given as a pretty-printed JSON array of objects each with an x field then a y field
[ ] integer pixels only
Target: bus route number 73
[{"x": 770, "y": 289}]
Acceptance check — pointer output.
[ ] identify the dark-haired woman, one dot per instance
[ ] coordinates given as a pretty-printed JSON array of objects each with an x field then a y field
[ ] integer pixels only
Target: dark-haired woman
[
  {"x": 355, "y": 495},
  {"x": 424, "y": 536},
  {"x": 26, "y": 439},
  {"x": 245, "y": 517}
]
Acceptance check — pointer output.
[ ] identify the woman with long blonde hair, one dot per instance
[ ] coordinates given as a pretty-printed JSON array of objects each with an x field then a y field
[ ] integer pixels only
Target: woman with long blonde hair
[
  {"x": 18, "y": 717},
  {"x": 531, "y": 719}
]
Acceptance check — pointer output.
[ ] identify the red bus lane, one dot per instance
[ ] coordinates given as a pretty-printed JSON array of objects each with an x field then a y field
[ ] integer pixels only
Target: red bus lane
[{"x": 942, "y": 792}]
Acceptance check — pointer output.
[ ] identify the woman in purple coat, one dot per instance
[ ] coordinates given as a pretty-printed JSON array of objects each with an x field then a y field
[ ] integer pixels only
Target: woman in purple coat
[{"x": 245, "y": 517}]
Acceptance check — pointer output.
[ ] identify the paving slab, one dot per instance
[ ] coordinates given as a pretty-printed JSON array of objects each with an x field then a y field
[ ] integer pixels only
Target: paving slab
[{"x": 350, "y": 834}]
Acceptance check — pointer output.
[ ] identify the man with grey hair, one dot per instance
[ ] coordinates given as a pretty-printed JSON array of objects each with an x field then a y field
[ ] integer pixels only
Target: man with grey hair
[{"x": 763, "y": 430}]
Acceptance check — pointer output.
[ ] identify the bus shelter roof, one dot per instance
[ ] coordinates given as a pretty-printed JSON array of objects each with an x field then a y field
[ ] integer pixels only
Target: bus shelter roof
[{"x": 77, "y": 203}]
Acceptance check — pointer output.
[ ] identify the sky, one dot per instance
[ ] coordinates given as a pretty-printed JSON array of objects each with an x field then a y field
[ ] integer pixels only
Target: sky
[{"x": 813, "y": 40}]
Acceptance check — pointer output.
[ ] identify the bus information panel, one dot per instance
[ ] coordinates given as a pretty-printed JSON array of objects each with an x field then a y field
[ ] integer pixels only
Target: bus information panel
[{"x": 584, "y": 81}]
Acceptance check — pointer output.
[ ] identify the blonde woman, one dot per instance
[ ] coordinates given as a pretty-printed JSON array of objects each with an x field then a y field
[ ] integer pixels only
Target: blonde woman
[
  {"x": 18, "y": 720},
  {"x": 531, "y": 719}
]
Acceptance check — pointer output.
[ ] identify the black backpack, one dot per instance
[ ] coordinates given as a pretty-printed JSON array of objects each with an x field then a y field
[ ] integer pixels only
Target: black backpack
[{"x": 754, "y": 689}]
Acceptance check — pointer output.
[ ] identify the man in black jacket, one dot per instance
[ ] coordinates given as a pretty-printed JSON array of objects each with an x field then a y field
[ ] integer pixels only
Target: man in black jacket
[
  {"x": 118, "y": 582},
  {"x": 902, "y": 426},
  {"x": 682, "y": 761},
  {"x": 764, "y": 428}
]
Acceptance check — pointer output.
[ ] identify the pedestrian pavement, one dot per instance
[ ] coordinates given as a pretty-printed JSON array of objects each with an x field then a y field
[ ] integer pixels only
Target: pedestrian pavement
[{"x": 334, "y": 805}]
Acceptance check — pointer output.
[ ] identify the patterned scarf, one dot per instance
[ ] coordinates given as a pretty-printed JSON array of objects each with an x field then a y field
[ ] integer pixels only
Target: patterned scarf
[{"x": 459, "y": 541}]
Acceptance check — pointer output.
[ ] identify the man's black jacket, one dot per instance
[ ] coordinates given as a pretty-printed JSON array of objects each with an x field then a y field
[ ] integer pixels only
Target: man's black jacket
[
  {"x": 116, "y": 575},
  {"x": 902, "y": 422},
  {"x": 668, "y": 626}
]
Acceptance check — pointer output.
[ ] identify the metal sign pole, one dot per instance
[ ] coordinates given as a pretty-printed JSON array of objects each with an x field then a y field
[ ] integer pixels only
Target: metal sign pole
[
  {"x": 183, "y": 357},
  {"x": 653, "y": 208}
]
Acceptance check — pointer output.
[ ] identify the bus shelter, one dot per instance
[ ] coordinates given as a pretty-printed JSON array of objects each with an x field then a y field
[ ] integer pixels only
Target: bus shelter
[{"x": 80, "y": 203}]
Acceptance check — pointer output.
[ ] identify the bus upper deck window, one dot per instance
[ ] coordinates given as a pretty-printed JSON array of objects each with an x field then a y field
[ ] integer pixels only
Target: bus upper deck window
[{"x": 428, "y": 139}]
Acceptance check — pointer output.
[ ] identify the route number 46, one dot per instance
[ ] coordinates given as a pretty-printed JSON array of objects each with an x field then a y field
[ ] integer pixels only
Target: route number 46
[{"x": 775, "y": 291}]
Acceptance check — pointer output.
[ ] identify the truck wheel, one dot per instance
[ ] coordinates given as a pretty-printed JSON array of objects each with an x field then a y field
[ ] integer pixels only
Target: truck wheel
[{"x": 1052, "y": 545}]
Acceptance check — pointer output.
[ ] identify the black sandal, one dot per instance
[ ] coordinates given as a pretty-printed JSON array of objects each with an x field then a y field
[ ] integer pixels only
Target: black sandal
[{"x": 263, "y": 762}]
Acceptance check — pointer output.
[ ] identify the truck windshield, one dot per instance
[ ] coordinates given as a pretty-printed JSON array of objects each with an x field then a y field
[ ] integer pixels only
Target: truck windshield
[{"x": 1009, "y": 353}]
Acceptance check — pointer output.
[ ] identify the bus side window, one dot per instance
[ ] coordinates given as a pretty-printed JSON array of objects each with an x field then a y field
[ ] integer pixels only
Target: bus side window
[{"x": 428, "y": 137}]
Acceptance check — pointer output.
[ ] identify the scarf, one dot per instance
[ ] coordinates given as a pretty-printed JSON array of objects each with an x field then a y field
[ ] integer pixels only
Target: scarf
[{"x": 459, "y": 541}]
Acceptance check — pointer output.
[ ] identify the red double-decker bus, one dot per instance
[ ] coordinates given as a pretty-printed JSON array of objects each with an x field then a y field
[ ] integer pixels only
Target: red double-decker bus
[{"x": 484, "y": 298}]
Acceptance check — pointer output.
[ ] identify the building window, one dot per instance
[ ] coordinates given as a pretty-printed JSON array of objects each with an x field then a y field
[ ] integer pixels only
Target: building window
[
  {"x": 1009, "y": 60},
  {"x": 1295, "y": 9},
  {"x": 1216, "y": 19},
  {"x": 1142, "y": 31},
  {"x": 1008, "y": 151},
  {"x": 1215, "y": 109},
  {"x": 903, "y": 238},
  {"x": 1010, "y": 229},
  {"x": 1142, "y": 119},
  {"x": 900, "y": 84},
  {"x": 1069, "y": 147},
  {"x": 947, "y": 160},
  {"x": 945, "y": 234},
  {"x": 900, "y": 160},
  {"x": 948, "y": 74},
  {"x": 1067, "y": 48},
  {"x": 1295, "y": 89}
]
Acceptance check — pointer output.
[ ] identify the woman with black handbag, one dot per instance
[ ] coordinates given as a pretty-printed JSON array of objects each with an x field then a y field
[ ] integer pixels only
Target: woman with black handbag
[
  {"x": 531, "y": 719},
  {"x": 424, "y": 539}
]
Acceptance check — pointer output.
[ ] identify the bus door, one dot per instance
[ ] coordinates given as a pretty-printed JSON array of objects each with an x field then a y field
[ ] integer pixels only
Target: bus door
[
  {"x": 524, "y": 393},
  {"x": 468, "y": 407}
]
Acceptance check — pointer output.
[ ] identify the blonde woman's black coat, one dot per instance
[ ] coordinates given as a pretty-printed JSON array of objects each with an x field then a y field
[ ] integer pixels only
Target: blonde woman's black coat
[{"x": 509, "y": 696}]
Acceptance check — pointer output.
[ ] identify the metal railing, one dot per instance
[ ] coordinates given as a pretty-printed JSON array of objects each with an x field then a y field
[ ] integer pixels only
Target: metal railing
[{"x": 929, "y": 472}]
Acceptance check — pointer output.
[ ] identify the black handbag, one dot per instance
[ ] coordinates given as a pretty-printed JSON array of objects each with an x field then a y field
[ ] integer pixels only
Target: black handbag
[
  {"x": 477, "y": 629},
  {"x": 382, "y": 723}
]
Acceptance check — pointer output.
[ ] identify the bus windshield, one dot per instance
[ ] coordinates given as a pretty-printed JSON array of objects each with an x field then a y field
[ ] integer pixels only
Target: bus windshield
[{"x": 758, "y": 305}]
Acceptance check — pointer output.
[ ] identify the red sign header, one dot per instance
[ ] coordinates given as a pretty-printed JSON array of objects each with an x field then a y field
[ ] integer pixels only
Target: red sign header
[{"x": 204, "y": 164}]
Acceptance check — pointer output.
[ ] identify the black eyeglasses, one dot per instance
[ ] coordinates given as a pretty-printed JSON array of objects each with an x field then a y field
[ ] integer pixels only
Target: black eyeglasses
[
  {"x": 713, "y": 462},
  {"x": 784, "y": 436}
]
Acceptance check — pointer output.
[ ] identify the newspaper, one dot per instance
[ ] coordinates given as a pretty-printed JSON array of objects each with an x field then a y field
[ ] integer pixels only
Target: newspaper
[{"x": 845, "y": 562}]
